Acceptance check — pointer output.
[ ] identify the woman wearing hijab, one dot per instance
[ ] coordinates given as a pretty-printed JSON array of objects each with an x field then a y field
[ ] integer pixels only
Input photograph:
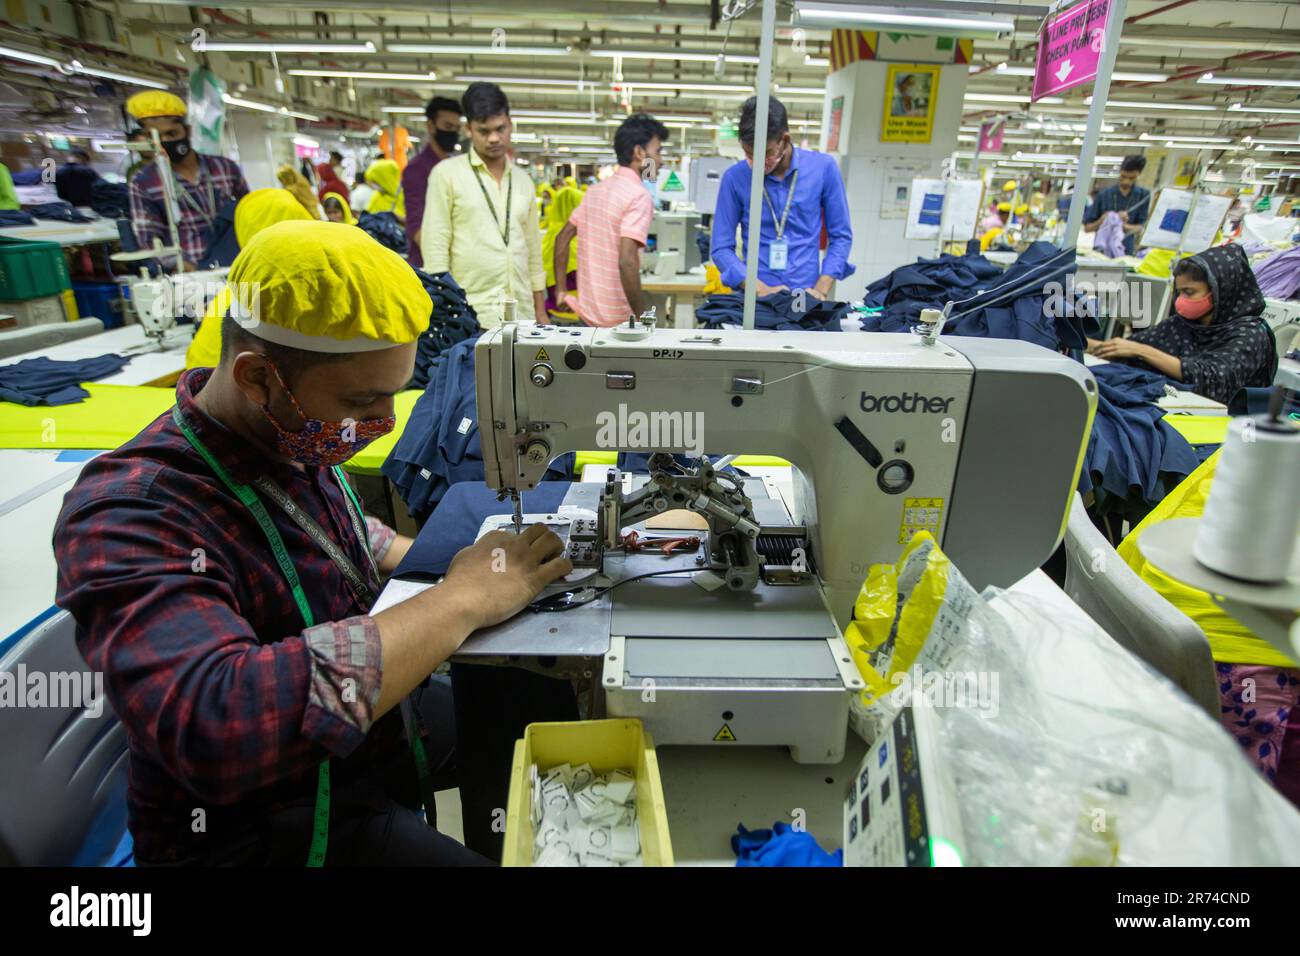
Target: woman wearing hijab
[
  {"x": 330, "y": 182},
  {"x": 384, "y": 175},
  {"x": 337, "y": 209},
  {"x": 256, "y": 211},
  {"x": 1216, "y": 343},
  {"x": 297, "y": 184}
]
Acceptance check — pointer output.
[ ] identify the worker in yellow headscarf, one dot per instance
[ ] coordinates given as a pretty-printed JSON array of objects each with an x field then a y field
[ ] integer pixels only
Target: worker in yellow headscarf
[
  {"x": 223, "y": 574},
  {"x": 337, "y": 209},
  {"x": 386, "y": 178},
  {"x": 297, "y": 184},
  {"x": 255, "y": 212}
]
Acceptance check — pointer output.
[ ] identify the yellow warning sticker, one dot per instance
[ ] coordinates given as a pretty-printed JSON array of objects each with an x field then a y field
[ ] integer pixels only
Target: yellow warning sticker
[
  {"x": 725, "y": 735},
  {"x": 541, "y": 356},
  {"x": 920, "y": 514}
]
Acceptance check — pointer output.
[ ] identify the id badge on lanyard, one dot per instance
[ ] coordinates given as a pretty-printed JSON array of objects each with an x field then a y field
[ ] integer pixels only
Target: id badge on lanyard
[{"x": 778, "y": 254}]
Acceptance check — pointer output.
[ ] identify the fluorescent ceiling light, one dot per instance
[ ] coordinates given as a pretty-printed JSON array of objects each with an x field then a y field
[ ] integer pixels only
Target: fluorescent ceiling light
[
  {"x": 403, "y": 109},
  {"x": 556, "y": 121},
  {"x": 710, "y": 87},
  {"x": 1186, "y": 139},
  {"x": 428, "y": 77},
  {"x": 868, "y": 17},
  {"x": 551, "y": 114},
  {"x": 671, "y": 54},
  {"x": 76, "y": 67},
  {"x": 1223, "y": 79},
  {"x": 306, "y": 141},
  {"x": 473, "y": 50},
  {"x": 576, "y": 139},
  {"x": 1136, "y": 77},
  {"x": 266, "y": 107},
  {"x": 1009, "y": 98},
  {"x": 1294, "y": 147},
  {"x": 810, "y": 90},
  {"x": 244, "y": 46},
  {"x": 529, "y": 81},
  {"x": 810, "y": 60},
  {"x": 1239, "y": 108},
  {"x": 28, "y": 57},
  {"x": 1139, "y": 105}
]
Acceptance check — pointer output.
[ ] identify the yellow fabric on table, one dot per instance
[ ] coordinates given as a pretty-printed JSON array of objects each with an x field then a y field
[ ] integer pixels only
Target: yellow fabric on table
[
  {"x": 369, "y": 459},
  {"x": 1200, "y": 429},
  {"x": 1231, "y": 642},
  {"x": 113, "y": 414}
]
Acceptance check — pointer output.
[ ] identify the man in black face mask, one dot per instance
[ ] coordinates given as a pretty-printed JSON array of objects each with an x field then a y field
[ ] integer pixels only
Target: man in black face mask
[
  {"x": 443, "y": 128},
  {"x": 203, "y": 184}
]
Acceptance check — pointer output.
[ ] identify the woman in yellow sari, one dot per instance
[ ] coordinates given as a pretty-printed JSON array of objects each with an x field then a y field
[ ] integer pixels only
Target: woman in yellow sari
[{"x": 557, "y": 214}]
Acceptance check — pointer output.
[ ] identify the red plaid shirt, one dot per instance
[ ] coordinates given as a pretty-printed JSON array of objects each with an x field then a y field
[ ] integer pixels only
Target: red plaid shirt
[
  {"x": 149, "y": 204},
  {"x": 229, "y": 703}
]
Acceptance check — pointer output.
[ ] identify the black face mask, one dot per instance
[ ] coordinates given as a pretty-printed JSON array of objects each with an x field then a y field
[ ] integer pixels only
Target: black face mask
[
  {"x": 177, "y": 149},
  {"x": 446, "y": 139}
]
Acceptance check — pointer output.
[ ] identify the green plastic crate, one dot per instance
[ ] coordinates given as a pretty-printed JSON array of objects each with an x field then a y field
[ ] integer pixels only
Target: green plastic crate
[{"x": 30, "y": 269}]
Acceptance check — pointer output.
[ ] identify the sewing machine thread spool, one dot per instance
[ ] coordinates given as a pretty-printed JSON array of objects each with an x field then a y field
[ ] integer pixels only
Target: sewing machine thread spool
[{"x": 1248, "y": 530}]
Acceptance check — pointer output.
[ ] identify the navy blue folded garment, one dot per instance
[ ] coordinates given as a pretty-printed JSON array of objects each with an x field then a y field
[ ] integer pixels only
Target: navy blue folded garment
[
  {"x": 74, "y": 183},
  {"x": 28, "y": 177},
  {"x": 452, "y": 320},
  {"x": 223, "y": 246},
  {"x": 781, "y": 846},
  {"x": 58, "y": 210},
  {"x": 455, "y": 522},
  {"x": 384, "y": 228},
  {"x": 44, "y": 381},
  {"x": 781, "y": 311},
  {"x": 1134, "y": 457},
  {"x": 1031, "y": 300},
  {"x": 110, "y": 200},
  {"x": 440, "y": 443},
  {"x": 16, "y": 217}
]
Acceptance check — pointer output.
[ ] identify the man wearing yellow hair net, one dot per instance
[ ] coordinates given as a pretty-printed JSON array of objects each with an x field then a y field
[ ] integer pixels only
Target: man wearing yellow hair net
[
  {"x": 222, "y": 572},
  {"x": 204, "y": 184}
]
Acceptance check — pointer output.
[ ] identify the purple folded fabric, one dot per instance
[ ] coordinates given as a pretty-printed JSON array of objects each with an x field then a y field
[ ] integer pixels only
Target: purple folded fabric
[
  {"x": 1110, "y": 236},
  {"x": 1279, "y": 275}
]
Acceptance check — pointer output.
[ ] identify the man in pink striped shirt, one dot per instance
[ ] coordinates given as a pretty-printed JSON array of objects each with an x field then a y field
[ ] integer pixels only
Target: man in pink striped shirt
[{"x": 613, "y": 222}]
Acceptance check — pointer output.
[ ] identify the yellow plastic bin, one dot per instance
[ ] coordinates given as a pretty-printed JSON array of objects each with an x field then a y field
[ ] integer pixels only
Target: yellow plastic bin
[{"x": 606, "y": 745}]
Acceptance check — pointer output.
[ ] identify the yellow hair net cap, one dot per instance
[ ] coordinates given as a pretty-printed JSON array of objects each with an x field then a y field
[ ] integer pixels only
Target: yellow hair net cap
[
  {"x": 155, "y": 103},
  {"x": 265, "y": 207},
  {"x": 311, "y": 285},
  {"x": 1009, "y": 186}
]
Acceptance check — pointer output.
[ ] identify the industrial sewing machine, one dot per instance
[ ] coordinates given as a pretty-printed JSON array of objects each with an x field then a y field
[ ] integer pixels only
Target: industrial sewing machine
[{"x": 719, "y": 620}]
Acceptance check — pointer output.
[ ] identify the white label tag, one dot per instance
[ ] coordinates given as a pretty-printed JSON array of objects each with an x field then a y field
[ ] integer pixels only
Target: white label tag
[
  {"x": 465, "y": 426},
  {"x": 778, "y": 254}
]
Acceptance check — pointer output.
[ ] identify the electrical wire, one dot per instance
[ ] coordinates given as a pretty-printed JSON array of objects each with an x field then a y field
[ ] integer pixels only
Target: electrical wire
[{"x": 544, "y": 605}]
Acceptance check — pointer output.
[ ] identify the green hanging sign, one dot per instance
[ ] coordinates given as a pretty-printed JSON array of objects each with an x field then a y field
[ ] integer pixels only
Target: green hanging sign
[{"x": 207, "y": 114}]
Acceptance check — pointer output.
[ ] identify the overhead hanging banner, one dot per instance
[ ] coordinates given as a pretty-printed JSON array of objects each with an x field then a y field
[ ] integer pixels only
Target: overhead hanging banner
[
  {"x": 207, "y": 113},
  {"x": 1069, "y": 47},
  {"x": 911, "y": 92}
]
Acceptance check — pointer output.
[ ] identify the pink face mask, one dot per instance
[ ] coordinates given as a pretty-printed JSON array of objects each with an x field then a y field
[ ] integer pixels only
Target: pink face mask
[
  {"x": 1190, "y": 308},
  {"x": 324, "y": 443}
]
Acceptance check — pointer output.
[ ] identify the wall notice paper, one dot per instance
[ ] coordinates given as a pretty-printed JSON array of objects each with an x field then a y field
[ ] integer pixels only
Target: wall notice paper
[
  {"x": 1185, "y": 221},
  {"x": 896, "y": 194},
  {"x": 947, "y": 208}
]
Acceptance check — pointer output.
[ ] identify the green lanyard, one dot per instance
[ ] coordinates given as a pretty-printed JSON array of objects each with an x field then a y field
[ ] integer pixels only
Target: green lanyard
[
  {"x": 510, "y": 192},
  {"x": 321, "y": 821},
  {"x": 785, "y": 214}
]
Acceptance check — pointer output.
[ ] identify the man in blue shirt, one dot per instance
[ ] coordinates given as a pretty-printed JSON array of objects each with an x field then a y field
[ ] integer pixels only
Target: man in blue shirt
[
  {"x": 801, "y": 190},
  {"x": 1131, "y": 201}
]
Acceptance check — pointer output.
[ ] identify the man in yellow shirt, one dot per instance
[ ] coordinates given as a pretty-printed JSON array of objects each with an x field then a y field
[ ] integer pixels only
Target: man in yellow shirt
[{"x": 480, "y": 218}]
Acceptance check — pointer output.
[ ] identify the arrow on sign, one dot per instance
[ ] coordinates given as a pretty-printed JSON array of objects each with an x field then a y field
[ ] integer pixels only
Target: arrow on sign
[{"x": 1064, "y": 71}]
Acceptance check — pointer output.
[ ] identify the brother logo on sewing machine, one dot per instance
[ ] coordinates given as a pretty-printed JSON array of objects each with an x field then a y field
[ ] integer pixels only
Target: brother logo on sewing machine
[{"x": 905, "y": 404}]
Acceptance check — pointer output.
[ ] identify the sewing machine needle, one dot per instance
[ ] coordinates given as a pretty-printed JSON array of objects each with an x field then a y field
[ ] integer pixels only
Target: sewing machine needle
[{"x": 518, "y": 502}]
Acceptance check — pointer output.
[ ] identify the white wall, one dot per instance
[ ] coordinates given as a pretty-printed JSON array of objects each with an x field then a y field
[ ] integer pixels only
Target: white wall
[{"x": 878, "y": 244}]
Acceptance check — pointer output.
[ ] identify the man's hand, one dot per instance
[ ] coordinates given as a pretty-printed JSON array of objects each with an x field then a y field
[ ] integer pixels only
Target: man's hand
[
  {"x": 1123, "y": 216},
  {"x": 1118, "y": 349},
  {"x": 765, "y": 289},
  {"x": 505, "y": 571},
  {"x": 823, "y": 288}
]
